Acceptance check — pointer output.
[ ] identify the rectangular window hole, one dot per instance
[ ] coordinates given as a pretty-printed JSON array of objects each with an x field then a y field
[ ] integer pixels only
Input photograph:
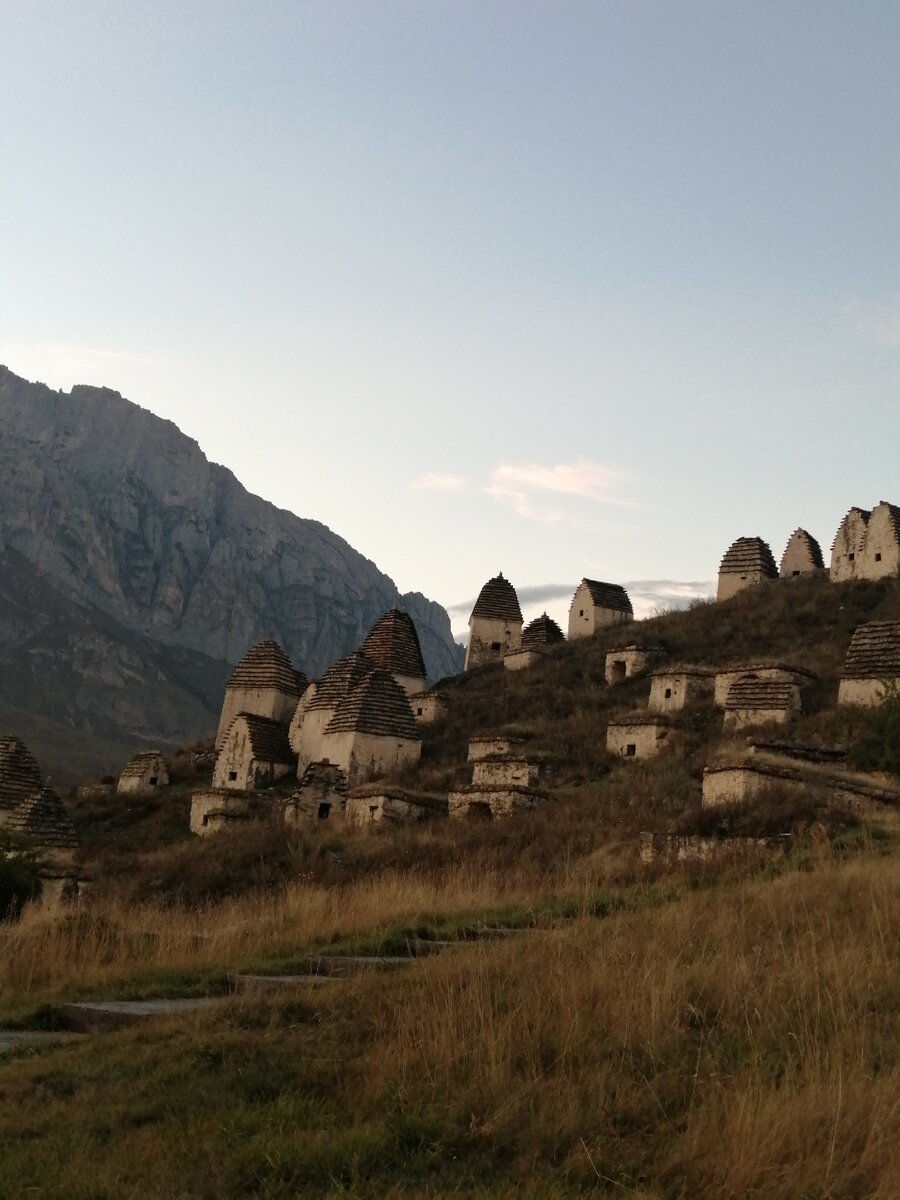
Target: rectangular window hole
[
  {"x": 324, "y": 810},
  {"x": 631, "y": 750},
  {"x": 232, "y": 776}
]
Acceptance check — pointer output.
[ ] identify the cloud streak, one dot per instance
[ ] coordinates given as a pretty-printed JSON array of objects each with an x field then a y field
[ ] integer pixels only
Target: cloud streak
[
  {"x": 515, "y": 486},
  {"x": 878, "y": 323},
  {"x": 439, "y": 481}
]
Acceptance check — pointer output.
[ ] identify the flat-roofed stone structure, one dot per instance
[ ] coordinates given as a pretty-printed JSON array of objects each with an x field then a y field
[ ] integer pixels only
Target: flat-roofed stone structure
[
  {"x": 771, "y": 671},
  {"x": 214, "y": 809},
  {"x": 802, "y": 556},
  {"x": 746, "y": 562},
  {"x": 638, "y": 735},
  {"x": 256, "y": 751},
  {"x": 496, "y": 745},
  {"x": 872, "y": 666},
  {"x": 630, "y": 661},
  {"x": 597, "y": 605},
  {"x": 740, "y": 782},
  {"x": 144, "y": 774},
  {"x": 537, "y": 637},
  {"x": 393, "y": 645},
  {"x": 493, "y": 802},
  {"x": 314, "y": 715},
  {"x": 20, "y": 776},
  {"x": 263, "y": 683},
  {"x": 676, "y": 687},
  {"x": 431, "y": 706},
  {"x": 519, "y": 770},
  {"x": 378, "y": 804},
  {"x": 320, "y": 795},
  {"x": 849, "y": 545},
  {"x": 881, "y": 553},
  {"x": 752, "y": 701},
  {"x": 373, "y": 730},
  {"x": 495, "y": 626}
]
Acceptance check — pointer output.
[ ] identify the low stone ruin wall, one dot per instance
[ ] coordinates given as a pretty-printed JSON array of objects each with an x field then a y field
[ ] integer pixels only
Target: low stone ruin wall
[{"x": 694, "y": 848}]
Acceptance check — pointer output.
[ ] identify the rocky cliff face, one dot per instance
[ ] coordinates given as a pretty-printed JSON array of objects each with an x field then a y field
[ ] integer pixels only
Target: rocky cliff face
[{"x": 115, "y": 511}]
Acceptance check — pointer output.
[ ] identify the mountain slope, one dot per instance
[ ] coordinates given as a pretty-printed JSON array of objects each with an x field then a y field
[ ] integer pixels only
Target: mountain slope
[{"x": 125, "y": 532}]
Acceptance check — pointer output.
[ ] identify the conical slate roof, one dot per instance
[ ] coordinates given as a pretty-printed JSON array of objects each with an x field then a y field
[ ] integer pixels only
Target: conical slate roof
[
  {"x": 341, "y": 679},
  {"x": 268, "y": 739},
  {"x": 267, "y": 666},
  {"x": 749, "y": 554},
  {"x": 377, "y": 705},
  {"x": 608, "y": 595},
  {"x": 874, "y": 651},
  {"x": 498, "y": 600},
  {"x": 807, "y": 545},
  {"x": 43, "y": 819},
  {"x": 20, "y": 776},
  {"x": 543, "y": 631},
  {"x": 394, "y": 645}
]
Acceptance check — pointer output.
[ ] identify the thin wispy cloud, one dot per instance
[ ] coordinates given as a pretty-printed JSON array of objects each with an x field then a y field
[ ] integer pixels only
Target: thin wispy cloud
[
  {"x": 878, "y": 323},
  {"x": 518, "y": 485},
  {"x": 439, "y": 481}
]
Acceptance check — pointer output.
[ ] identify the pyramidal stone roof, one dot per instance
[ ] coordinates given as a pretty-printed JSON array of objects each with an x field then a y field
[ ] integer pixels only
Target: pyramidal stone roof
[
  {"x": 542, "y": 631},
  {"x": 268, "y": 739},
  {"x": 809, "y": 544},
  {"x": 394, "y": 645},
  {"x": 323, "y": 776},
  {"x": 749, "y": 554},
  {"x": 138, "y": 766},
  {"x": 498, "y": 600},
  {"x": 874, "y": 651},
  {"x": 608, "y": 595},
  {"x": 862, "y": 513},
  {"x": 377, "y": 705},
  {"x": 340, "y": 679},
  {"x": 761, "y": 694},
  {"x": 20, "y": 776},
  {"x": 267, "y": 666},
  {"x": 44, "y": 820}
]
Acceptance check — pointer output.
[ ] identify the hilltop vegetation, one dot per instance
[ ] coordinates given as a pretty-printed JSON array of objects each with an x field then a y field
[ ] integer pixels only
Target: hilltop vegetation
[{"x": 691, "y": 1033}]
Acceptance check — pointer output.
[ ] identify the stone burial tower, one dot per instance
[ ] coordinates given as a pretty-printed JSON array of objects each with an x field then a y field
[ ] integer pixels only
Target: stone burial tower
[{"x": 495, "y": 626}]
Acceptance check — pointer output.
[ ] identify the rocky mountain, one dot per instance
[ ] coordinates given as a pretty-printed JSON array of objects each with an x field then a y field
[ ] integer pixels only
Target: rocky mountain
[{"x": 133, "y": 572}]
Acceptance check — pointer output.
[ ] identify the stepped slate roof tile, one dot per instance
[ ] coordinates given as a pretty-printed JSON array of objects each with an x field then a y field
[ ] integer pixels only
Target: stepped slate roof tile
[
  {"x": 20, "y": 776},
  {"x": 874, "y": 651},
  {"x": 394, "y": 645},
  {"x": 340, "y": 679},
  {"x": 268, "y": 739},
  {"x": 377, "y": 705},
  {"x": 44, "y": 820},
  {"x": 809, "y": 543},
  {"x": 542, "y": 631},
  {"x": 142, "y": 762},
  {"x": 862, "y": 513},
  {"x": 749, "y": 554},
  {"x": 498, "y": 600},
  {"x": 608, "y": 595},
  {"x": 267, "y": 666},
  {"x": 748, "y": 692}
]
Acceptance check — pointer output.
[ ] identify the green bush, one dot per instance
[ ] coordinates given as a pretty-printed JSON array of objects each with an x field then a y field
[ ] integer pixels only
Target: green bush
[
  {"x": 19, "y": 880},
  {"x": 877, "y": 746}
]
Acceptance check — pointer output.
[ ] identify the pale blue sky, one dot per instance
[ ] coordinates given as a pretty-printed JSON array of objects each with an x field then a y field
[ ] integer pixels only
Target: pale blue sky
[{"x": 561, "y": 289}]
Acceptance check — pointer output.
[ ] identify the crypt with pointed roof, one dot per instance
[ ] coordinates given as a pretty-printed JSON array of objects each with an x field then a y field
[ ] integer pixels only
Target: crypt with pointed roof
[
  {"x": 263, "y": 683},
  {"x": 373, "y": 730},
  {"x": 319, "y": 704},
  {"x": 596, "y": 605},
  {"x": 393, "y": 645},
  {"x": 495, "y": 626}
]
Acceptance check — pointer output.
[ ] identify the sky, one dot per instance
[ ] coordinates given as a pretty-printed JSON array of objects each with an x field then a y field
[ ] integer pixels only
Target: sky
[{"x": 552, "y": 288}]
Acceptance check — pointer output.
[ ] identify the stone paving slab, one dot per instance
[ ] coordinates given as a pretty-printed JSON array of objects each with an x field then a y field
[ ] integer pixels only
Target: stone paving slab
[
  {"x": 270, "y": 983},
  {"x": 334, "y": 964},
  {"x": 99, "y": 1015},
  {"x": 16, "y": 1039}
]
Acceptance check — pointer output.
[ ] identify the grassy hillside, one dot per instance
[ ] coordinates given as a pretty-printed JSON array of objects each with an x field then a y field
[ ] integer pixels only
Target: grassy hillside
[{"x": 700, "y": 1032}]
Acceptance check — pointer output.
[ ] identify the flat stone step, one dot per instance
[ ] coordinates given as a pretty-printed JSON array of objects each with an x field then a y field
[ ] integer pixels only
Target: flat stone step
[
  {"x": 101, "y": 1015},
  {"x": 18, "y": 1039},
  {"x": 271, "y": 983},
  {"x": 341, "y": 965}
]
